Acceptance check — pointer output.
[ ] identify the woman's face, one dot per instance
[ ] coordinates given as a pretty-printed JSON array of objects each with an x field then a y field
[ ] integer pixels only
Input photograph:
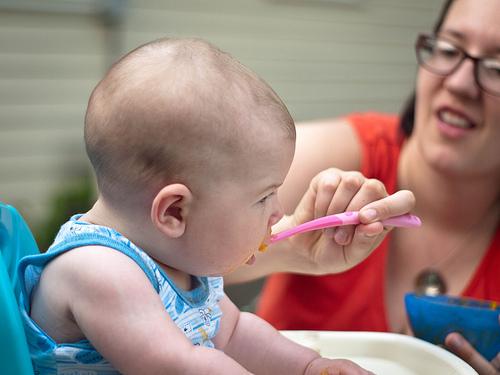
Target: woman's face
[{"x": 457, "y": 125}]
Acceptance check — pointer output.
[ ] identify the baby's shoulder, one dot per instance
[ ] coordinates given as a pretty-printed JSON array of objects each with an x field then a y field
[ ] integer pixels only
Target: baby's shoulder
[
  {"x": 59, "y": 283},
  {"x": 84, "y": 278},
  {"x": 90, "y": 266}
]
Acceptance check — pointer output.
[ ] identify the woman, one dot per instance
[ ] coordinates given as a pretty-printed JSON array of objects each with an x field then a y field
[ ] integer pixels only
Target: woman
[{"x": 447, "y": 155}]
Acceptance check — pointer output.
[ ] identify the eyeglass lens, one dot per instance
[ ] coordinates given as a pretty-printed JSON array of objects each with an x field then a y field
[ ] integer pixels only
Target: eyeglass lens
[{"x": 443, "y": 57}]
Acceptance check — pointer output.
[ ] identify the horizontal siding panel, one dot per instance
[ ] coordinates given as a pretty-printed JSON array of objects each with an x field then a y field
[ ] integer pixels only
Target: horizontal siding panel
[
  {"x": 26, "y": 118},
  {"x": 246, "y": 49},
  {"x": 264, "y": 27},
  {"x": 42, "y": 142},
  {"x": 45, "y": 91},
  {"x": 49, "y": 63},
  {"x": 323, "y": 58},
  {"x": 49, "y": 20},
  {"x": 304, "y": 111},
  {"x": 246, "y": 6},
  {"x": 32, "y": 168},
  {"x": 334, "y": 72},
  {"x": 398, "y": 13},
  {"x": 340, "y": 91},
  {"x": 50, "y": 40},
  {"x": 60, "y": 66}
]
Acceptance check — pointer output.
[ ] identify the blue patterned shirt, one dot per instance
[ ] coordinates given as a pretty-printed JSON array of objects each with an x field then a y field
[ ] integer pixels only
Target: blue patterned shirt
[{"x": 195, "y": 312}]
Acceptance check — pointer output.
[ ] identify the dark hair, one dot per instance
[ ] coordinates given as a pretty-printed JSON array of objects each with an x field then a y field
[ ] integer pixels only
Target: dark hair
[{"x": 408, "y": 112}]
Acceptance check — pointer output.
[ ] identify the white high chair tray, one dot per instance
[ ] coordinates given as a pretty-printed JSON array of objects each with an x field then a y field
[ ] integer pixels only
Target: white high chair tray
[{"x": 383, "y": 353}]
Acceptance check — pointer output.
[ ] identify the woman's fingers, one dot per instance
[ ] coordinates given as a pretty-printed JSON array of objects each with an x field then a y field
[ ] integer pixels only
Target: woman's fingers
[
  {"x": 338, "y": 191},
  {"x": 350, "y": 185},
  {"x": 495, "y": 362},
  {"x": 357, "y": 192},
  {"x": 369, "y": 236},
  {"x": 365, "y": 239},
  {"x": 462, "y": 348},
  {"x": 326, "y": 185},
  {"x": 333, "y": 191},
  {"x": 396, "y": 204}
]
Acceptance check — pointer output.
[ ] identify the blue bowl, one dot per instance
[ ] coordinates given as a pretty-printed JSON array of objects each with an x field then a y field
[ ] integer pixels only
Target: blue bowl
[{"x": 432, "y": 318}]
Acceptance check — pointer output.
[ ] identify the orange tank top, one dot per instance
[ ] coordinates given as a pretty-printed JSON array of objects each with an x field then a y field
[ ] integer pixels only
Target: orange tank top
[{"x": 354, "y": 300}]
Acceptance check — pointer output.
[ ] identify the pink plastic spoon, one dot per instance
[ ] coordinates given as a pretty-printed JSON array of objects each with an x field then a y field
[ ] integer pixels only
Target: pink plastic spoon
[{"x": 346, "y": 218}]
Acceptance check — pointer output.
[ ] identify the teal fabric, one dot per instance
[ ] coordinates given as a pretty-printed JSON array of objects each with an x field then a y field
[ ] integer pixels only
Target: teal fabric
[{"x": 16, "y": 241}]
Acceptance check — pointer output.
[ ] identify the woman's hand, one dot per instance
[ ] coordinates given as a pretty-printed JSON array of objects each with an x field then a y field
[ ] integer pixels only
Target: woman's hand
[
  {"x": 331, "y": 250},
  {"x": 338, "y": 249},
  {"x": 461, "y": 347}
]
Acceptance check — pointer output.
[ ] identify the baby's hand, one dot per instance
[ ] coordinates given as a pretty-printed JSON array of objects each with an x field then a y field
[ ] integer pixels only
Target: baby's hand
[{"x": 325, "y": 366}]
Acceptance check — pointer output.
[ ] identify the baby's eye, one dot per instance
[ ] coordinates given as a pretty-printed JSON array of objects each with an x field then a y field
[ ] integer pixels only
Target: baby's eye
[{"x": 263, "y": 200}]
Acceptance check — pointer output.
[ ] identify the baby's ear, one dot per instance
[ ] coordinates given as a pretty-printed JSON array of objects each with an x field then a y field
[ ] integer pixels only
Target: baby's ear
[{"x": 170, "y": 209}]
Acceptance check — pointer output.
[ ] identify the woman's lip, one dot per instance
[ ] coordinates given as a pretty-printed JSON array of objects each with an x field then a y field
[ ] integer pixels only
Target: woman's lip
[
  {"x": 450, "y": 131},
  {"x": 455, "y": 115},
  {"x": 454, "y": 124}
]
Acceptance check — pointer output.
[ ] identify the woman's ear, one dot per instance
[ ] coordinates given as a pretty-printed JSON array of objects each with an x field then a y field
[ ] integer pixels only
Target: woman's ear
[{"x": 170, "y": 209}]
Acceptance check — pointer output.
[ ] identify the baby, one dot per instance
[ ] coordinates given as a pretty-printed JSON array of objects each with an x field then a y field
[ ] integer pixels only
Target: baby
[{"x": 189, "y": 148}]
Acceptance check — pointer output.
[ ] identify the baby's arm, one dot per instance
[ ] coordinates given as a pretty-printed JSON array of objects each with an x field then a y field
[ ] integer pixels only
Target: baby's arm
[
  {"x": 117, "y": 309},
  {"x": 263, "y": 350}
]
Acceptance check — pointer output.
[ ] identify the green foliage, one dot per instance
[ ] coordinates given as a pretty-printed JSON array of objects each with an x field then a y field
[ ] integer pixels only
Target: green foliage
[{"x": 78, "y": 197}]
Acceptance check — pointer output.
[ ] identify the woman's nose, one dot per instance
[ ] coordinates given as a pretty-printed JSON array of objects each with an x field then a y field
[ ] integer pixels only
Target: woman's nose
[{"x": 462, "y": 81}]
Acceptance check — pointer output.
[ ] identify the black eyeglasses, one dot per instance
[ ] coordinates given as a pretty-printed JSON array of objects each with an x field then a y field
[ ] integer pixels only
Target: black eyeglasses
[{"x": 440, "y": 56}]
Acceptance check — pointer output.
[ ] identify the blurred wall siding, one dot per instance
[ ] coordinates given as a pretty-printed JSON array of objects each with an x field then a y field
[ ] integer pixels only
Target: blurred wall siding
[
  {"x": 325, "y": 58},
  {"x": 49, "y": 62}
]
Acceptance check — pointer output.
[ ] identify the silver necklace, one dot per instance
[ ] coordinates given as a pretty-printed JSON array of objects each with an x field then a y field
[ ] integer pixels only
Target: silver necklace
[{"x": 430, "y": 282}]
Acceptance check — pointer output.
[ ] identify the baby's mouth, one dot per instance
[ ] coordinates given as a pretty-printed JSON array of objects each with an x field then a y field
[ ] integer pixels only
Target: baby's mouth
[
  {"x": 263, "y": 245},
  {"x": 250, "y": 260}
]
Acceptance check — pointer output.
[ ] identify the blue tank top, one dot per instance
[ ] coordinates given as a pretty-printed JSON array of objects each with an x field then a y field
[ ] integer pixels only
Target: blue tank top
[{"x": 195, "y": 312}]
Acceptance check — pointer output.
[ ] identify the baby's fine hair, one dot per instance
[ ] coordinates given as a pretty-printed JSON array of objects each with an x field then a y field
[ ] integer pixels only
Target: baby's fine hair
[{"x": 167, "y": 110}]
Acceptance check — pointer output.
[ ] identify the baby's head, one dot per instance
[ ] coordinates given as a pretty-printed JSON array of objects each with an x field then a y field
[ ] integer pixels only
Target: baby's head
[{"x": 180, "y": 132}]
